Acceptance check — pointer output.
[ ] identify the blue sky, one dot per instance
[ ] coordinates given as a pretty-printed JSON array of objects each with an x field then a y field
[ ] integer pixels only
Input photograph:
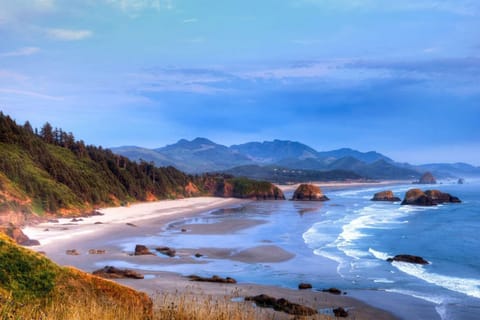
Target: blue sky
[{"x": 398, "y": 77}]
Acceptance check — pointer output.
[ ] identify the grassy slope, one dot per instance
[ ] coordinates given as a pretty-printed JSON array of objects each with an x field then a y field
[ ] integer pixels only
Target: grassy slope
[{"x": 33, "y": 287}]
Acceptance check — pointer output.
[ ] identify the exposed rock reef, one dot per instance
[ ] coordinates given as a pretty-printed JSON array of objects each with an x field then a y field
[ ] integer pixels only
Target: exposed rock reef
[
  {"x": 427, "y": 178},
  {"x": 386, "y": 195},
  {"x": 309, "y": 192},
  {"x": 141, "y": 250},
  {"x": 110, "y": 272},
  {"x": 408, "y": 258},
  {"x": 281, "y": 304},
  {"x": 215, "y": 279},
  {"x": 428, "y": 198}
]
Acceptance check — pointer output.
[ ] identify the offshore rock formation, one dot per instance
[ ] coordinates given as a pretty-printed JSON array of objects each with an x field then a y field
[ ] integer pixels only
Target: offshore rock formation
[
  {"x": 309, "y": 192},
  {"x": 427, "y": 178},
  {"x": 428, "y": 198},
  {"x": 385, "y": 196},
  {"x": 408, "y": 258}
]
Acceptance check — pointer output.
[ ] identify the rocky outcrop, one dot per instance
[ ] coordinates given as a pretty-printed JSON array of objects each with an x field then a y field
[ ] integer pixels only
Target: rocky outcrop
[
  {"x": 18, "y": 236},
  {"x": 304, "y": 286},
  {"x": 408, "y": 258},
  {"x": 340, "y": 312},
  {"x": 110, "y": 272},
  {"x": 427, "y": 178},
  {"x": 385, "y": 196},
  {"x": 333, "y": 291},
  {"x": 428, "y": 198},
  {"x": 141, "y": 250},
  {"x": 309, "y": 192},
  {"x": 281, "y": 304},
  {"x": 216, "y": 279}
]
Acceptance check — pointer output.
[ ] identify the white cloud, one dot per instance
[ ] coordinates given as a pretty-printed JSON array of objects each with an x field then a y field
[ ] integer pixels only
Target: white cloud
[
  {"x": 11, "y": 75},
  {"x": 25, "y": 51},
  {"x": 135, "y": 6},
  {"x": 30, "y": 94},
  {"x": 69, "y": 34},
  {"x": 190, "y": 20},
  {"x": 16, "y": 11}
]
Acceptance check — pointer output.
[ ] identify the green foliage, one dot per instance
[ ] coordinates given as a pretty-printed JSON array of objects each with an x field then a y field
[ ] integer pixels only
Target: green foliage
[{"x": 23, "y": 274}]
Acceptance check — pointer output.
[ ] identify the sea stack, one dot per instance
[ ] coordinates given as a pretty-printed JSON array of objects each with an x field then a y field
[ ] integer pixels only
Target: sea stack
[
  {"x": 309, "y": 192},
  {"x": 428, "y": 198},
  {"x": 386, "y": 195},
  {"x": 461, "y": 181},
  {"x": 427, "y": 178}
]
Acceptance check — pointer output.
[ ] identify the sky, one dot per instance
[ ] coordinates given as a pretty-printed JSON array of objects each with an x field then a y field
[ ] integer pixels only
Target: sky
[{"x": 398, "y": 77}]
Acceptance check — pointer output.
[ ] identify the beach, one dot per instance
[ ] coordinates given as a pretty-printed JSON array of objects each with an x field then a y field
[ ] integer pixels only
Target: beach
[{"x": 146, "y": 223}]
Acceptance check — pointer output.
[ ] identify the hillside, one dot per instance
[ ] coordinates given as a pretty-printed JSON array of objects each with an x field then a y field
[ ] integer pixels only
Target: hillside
[
  {"x": 49, "y": 172},
  {"x": 33, "y": 287}
]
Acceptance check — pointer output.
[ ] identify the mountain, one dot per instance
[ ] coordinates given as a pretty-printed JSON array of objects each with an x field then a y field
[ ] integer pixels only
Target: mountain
[
  {"x": 274, "y": 151},
  {"x": 199, "y": 155},
  {"x": 450, "y": 170},
  {"x": 368, "y": 157},
  {"x": 148, "y": 155}
]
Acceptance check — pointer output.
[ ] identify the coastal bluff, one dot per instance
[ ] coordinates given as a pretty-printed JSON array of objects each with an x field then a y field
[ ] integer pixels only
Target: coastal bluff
[
  {"x": 428, "y": 198},
  {"x": 309, "y": 192}
]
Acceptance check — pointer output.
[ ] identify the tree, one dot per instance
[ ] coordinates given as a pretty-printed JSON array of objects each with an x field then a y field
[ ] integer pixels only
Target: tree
[{"x": 47, "y": 133}]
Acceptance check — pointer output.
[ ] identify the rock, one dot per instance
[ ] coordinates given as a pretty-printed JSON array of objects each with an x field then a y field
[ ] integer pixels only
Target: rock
[
  {"x": 441, "y": 197},
  {"x": 461, "y": 181},
  {"x": 333, "y": 291},
  {"x": 166, "y": 251},
  {"x": 76, "y": 220},
  {"x": 184, "y": 230},
  {"x": 281, "y": 304},
  {"x": 98, "y": 222},
  {"x": 141, "y": 250},
  {"x": 303, "y": 286},
  {"x": 198, "y": 255},
  {"x": 72, "y": 252},
  {"x": 340, "y": 312},
  {"x": 428, "y": 198},
  {"x": 53, "y": 221},
  {"x": 427, "y": 178},
  {"x": 18, "y": 236},
  {"x": 110, "y": 272},
  {"x": 216, "y": 279},
  {"x": 408, "y": 258},
  {"x": 96, "y": 251},
  {"x": 309, "y": 192},
  {"x": 130, "y": 224},
  {"x": 385, "y": 196}
]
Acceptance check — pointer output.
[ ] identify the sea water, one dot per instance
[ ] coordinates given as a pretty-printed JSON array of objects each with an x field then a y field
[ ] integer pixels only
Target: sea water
[{"x": 345, "y": 242}]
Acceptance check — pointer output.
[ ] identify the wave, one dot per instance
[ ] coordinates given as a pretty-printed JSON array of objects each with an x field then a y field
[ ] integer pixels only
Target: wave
[
  {"x": 467, "y": 286},
  {"x": 378, "y": 254}
]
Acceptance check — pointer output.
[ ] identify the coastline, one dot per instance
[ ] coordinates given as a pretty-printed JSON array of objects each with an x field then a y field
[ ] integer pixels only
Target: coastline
[{"x": 103, "y": 233}]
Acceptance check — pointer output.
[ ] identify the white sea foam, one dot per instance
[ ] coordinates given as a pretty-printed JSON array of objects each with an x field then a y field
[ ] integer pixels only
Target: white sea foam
[
  {"x": 467, "y": 286},
  {"x": 378, "y": 254},
  {"x": 430, "y": 298},
  {"x": 383, "y": 280}
]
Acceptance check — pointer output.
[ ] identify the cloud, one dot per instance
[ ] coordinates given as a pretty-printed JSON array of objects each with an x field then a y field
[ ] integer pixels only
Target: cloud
[
  {"x": 133, "y": 7},
  {"x": 69, "y": 34},
  {"x": 191, "y": 20},
  {"x": 25, "y": 51},
  {"x": 15, "y": 76},
  {"x": 16, "y": 11},
  {"x": 30, "y": 94}
]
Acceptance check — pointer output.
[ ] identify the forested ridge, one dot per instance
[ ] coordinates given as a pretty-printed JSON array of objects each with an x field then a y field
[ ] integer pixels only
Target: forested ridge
[{"x": 47, "y": 170}]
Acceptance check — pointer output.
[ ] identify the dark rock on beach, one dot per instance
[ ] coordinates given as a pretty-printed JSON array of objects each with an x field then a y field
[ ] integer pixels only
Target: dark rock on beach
[
  {"x": 408, "y": 258},
  {"x": 141, "y": 250},
  {"x": 166, "y": 251},
  {"x": 281, "y": 304},
  {"x": 215, "y": 279},
  {"x": 333, "y": 291},
  {"x": 385, "y": 196},
  {"x": 110, "y": 272},
  {"x": 303, "y": 286},
  {"x": 309, "y": 192},
  {"x": 340, "y": 312},
  {"x": 18, "y": 236},
  {"x": 428, "y": 198}
]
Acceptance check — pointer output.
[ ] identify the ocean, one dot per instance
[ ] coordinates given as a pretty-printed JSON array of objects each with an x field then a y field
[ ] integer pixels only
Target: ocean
[{"x": 344, "y": 243}]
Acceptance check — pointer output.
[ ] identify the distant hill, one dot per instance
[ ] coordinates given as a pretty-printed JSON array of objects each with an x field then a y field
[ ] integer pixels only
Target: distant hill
[{"x": 203, "y": 155}]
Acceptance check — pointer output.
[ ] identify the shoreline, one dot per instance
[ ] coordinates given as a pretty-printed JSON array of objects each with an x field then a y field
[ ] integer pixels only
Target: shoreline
[{"x": 103, "y": 233}]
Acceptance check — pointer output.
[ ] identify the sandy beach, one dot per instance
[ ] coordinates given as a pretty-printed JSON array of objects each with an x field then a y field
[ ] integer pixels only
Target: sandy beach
[{"x": 103, "y": 233}]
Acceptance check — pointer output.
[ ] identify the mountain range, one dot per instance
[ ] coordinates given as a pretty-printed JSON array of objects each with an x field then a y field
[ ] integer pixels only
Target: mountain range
[{"x": 203, "y": 155}]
